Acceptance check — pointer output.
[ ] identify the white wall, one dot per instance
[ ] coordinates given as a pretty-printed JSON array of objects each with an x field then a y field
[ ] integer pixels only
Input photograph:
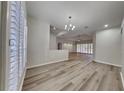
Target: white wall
[
  {"x": 42, "y": 44},
  {"x": 38, "y": 41},
  {"x": 108, "y": 46},
  {"x": 53, "y": 43},
  {"x": 122, "y": 26},
  {"x": 57, "y": 56}
]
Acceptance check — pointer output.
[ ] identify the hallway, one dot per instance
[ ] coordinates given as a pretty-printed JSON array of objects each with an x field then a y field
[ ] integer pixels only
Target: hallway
[{"x": 77, "y": 74}]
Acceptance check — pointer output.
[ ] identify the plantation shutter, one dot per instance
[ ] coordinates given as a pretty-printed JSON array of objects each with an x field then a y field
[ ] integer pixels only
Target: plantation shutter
[{"x": 17, "y": 44}]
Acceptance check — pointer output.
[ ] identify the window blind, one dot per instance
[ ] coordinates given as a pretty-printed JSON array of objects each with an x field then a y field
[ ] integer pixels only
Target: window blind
[{"x": 17, "y": 49}]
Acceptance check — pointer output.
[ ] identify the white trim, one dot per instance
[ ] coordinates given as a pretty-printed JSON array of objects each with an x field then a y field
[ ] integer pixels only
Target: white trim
[
  {"x": 5, "y": 35},
  {"x": 98, "y": 61},
  {"x": 22, "y": 80},
  {"x": 122, "y": 79},
  {"x": 44, "y": 64}
]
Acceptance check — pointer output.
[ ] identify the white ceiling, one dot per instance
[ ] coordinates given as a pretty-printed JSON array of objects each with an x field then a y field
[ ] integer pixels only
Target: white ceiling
[{"x": 94, "y": 14}]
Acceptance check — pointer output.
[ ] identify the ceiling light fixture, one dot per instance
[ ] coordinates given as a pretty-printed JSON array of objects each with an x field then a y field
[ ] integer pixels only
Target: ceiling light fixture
[
  {"x": 54, "y": 28},
  {"x": 69, "y": 26},
  {"x": 106, "y": 25}
]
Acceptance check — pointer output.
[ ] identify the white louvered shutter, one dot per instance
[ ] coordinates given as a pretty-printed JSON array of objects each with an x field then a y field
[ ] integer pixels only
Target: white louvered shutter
[{"x": 17, "y": 46}]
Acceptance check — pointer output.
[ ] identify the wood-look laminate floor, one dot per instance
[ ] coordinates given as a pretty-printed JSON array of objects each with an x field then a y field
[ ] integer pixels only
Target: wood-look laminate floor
[{"x": 77, "y": 74}]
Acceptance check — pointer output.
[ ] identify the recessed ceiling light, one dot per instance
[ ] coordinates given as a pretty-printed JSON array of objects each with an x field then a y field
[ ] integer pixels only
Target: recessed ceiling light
[{"x": 106, "y": 25}]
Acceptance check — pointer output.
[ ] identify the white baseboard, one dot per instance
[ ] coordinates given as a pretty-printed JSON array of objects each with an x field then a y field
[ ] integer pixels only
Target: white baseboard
[
  {"x": 122, "y": 79},
  {"x": 98, "y": 61},
  {"x": 44, "y": 64}
]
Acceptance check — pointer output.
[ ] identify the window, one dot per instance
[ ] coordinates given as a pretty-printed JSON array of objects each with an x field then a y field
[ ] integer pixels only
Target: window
[
  {"x": 68, "y": 46},
  {"x": 85, "y": 48},
  {"x": 17, "y": 44}
]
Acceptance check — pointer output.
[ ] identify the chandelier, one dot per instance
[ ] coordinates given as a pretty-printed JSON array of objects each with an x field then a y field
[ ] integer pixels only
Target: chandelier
[{"x": 69, "y": 26}]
